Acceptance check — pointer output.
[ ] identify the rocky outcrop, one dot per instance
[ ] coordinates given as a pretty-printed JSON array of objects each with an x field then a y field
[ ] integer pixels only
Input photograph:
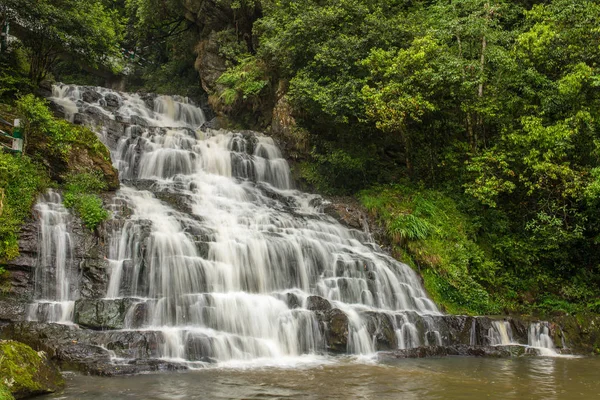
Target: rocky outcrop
[
  {"x": 26, "y": 372},
  {"x": 209, "y": 63},
  {"x": 460, "y": 350},
  {"x": 88, "y": 351},
  {"x": 579, "y": 334}
]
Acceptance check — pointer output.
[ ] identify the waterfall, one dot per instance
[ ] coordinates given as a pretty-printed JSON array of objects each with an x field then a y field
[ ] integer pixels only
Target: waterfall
[
  {"x": 54, "y": 272},
  {"x": 500, "y": 333},
  {"x": 224, "y": 254},
  {"x": 539, "y": 338}
]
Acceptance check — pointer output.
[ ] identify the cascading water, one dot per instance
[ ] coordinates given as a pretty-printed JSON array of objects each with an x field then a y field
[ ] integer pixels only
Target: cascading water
[
  {"x": 223, "y": 257},
  {"x": 55, "y": 273},
  {"x": 539, "y": 338},
  {"x": 500, "y": 333}
]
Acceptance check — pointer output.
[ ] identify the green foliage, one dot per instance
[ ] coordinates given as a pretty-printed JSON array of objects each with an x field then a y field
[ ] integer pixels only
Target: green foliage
[
  {"x": 495, "y": 103},
  {"x": 81, "y": 195},
  {"x": 86, "y": 31},
  {"x": 20, "y": 182},
  {"x": 440, "y": 241},
  {"x": 243, "y": 82},
  {"x": 14, "y": 72},
  {"x": 58, "y": 136}
]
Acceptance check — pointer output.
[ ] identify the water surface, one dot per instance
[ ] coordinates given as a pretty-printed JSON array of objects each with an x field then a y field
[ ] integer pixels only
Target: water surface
[{"x": 442, "y": 378}]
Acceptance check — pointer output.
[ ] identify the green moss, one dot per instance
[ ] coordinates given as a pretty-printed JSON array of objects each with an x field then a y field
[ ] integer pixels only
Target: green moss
[
  {"x": 27, "y": 372},
  {"x": 5, "y": 394},
  {"x": 80, "y": 195}
]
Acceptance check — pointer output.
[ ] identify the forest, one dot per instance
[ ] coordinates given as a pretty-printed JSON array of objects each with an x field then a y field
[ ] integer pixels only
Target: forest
[{"x": 469, "y": 129}]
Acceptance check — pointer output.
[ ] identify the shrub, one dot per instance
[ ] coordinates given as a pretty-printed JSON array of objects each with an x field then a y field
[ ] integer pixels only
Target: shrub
[
  {"x": 20, "y": 182},
  {"x": 81, "y": 196}
]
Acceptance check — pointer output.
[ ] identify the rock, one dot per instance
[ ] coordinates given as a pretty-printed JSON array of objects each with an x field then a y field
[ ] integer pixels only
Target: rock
[
  {"x": 292, "y": 300},
  {"x": 113, "y": 101},
  {"x": 381, "y": 327},
  {"x": 27, "y": 372},
  {"x": 82, "y": 159},
  {"x": 133, "y": 367},
  {"x": 209, "y": 63},
  {"x": 136, "y": 120},
  {"x": 460, "y": 350},
  {"x": 90, "y": 96},
  {"x": 102, "y": 313},
  {"x": 579, "y": 333},
  {"x": 12, "y": 310},
  {"x": 348, "y": 212},
  {"x": 180, "y": 202},
  {"x": 336, "y": 328},
  {"x": 317, "y": 303}
]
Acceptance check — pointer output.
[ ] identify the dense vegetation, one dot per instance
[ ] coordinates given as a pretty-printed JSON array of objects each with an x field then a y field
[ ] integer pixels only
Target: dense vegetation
[
  {"x": 48, "y": 161},
  {"x": 469, "y": 128},
  {"x": 486, "y": 111}
]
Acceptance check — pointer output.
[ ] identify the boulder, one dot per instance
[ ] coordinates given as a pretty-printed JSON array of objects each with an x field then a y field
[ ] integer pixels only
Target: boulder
[
  {"x": 27, "y": 372},
  {"x": 102, "y": 313},
  {"x": 112, "y": 100},
  {"x": 336, "y": 330},
  {"x": 317, "y": 303},
  {"x": 90, "y": 96}
]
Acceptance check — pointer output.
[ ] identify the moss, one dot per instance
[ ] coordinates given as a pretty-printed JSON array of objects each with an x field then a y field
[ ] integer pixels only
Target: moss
[
  {"x": 27, "y": 372},
  {"x": 5, "y": 394}
]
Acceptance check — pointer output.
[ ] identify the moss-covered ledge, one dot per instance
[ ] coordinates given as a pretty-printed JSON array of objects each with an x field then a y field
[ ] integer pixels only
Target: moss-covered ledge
[{"x": 25, "y": 372}]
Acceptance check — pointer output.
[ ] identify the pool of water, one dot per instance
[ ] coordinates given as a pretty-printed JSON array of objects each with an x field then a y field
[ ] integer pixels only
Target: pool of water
[{"x": 441, "y": 378}]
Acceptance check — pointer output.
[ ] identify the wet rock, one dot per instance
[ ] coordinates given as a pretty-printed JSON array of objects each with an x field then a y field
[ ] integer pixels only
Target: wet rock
[
  {"x": 81, "y": 356},
  {"x": 133, "y": 367},
  {"x": 132, "y": 344},
  {"x": 348, "y": 212},
  {"x": 137, "y": 120},
  {"x": 460, "y": 350},
  {"x": 580, "y": 333},
  {"x": 381, "y": 327},
  {"x": 292, "y": 301},
  {"x": 148, "y": 99},
  {"x": 199, "y": 348},
  {"x": 336, "y": 330},
  {"x": 180, "y": 202},
  {"x": 12, "y": 310},
  {"x": 102, "y": 313},
  {"x": 26, "y": 372},
  {"x": 417, "y": 352},
  {"x": 90, "y": 95},
  {"x": 112, "y": 100},
  {"x": 317, "y": 303}
]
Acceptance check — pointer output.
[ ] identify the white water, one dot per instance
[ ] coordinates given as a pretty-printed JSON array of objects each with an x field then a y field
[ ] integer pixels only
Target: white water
[
  {"x": 500, "y": 333},
  {"x": 54, "y": 268},
  {"x": 539, "y": 338},
  {"x": 226, "y": 273}
]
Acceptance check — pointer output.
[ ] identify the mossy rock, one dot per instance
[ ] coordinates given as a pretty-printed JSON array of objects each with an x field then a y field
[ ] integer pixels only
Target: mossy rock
[
  {"x": 26, "y": 372},
  {"x": 5, "y": 394}
]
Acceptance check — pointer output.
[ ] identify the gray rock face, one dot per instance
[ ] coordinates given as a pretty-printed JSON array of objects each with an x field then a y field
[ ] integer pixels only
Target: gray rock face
[
  {"x": 87, "y": 351},
  {"x": 210, "y": 64},
  {"x": 102, "y": 313},
  {"x": 335, "y": 325}
]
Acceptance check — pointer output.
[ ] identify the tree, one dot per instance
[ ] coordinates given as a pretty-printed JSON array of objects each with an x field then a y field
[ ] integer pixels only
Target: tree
[{"x": 85, "y": 31}]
